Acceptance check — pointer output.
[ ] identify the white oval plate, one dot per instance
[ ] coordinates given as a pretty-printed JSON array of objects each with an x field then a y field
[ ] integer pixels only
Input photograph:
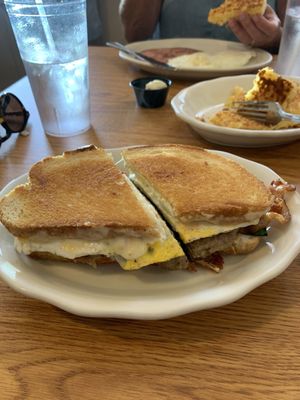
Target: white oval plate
[
  {"x": 150, "y": 293},
  {"x": 262, "y": 58},
  {"x": 206, "y": 98}
]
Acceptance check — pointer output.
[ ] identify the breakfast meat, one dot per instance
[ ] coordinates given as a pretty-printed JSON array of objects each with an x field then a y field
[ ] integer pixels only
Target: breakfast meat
[
  {"x": 164, "y": 54},
  {"x": 203, "y": 248}
]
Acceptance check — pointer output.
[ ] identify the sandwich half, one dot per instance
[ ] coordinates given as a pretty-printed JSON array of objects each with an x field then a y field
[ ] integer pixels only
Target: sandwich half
[
  {"x": 80, "y": 207},
  {"x": 206, "y": 198}
]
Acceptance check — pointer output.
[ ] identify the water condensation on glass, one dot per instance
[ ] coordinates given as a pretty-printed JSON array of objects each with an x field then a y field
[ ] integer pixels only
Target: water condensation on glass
[
  {"x": 53, "y": 45},
  {"x": 289, "y": 51},
  {"x": 66, "y": 23}
]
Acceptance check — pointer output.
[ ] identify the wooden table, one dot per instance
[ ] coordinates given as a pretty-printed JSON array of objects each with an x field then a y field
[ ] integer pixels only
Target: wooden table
[{"x": 247, "y": 350}]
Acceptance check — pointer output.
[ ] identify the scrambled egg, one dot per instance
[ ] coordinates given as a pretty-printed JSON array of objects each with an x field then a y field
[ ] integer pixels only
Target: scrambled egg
[
  {"x": 157, "y": 253},
  {"x": 222, "y": 60},
  {"x": 198, "y": 230}
]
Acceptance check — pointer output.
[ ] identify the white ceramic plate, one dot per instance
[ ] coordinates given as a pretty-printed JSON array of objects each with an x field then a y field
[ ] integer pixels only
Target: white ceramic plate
[
  {"x": 150, "y": 293},
  {"x": 262, "y": 58},
  {"x": 206, "y": 98}
]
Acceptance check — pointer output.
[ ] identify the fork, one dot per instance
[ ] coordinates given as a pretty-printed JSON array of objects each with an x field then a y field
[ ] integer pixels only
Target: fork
[
  {"x": 139, "y": 56},
  {"x": 268, "y": 112}
]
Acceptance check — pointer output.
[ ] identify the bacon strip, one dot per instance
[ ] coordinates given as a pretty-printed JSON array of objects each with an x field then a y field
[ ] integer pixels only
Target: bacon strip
[
  {"x": 279, "y": 211},
  {"x": 214, "y": 262}
]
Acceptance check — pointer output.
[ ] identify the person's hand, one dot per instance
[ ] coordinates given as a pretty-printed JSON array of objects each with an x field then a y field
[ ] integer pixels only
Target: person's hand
[{"x": 257, "y": 30}]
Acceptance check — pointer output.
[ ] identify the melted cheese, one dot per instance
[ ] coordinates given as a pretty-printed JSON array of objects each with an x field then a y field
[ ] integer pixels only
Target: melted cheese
[
  {"x": 131, "y": 253},
  {"x": 127, "y": 247}
]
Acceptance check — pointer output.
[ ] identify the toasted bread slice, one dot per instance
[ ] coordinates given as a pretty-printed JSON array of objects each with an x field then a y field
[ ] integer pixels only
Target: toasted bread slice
[
  {"x": 233, "y": 8},
  {"x": 193, "y": 184},
  {"x": 79, "y": 191}
]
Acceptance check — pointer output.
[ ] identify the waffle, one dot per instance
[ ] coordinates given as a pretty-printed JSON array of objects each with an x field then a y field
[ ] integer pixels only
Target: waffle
[{"x": 233, "y": 8}]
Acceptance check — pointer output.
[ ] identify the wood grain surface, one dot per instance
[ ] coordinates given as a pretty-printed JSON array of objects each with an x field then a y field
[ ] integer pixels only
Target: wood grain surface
[{"x": 247, "y": 350}]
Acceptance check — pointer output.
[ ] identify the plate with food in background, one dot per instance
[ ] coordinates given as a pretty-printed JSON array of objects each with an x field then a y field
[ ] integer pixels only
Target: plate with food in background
[
  {"x": 195, "y": 58},
  {"x": 206, "y": 107}
]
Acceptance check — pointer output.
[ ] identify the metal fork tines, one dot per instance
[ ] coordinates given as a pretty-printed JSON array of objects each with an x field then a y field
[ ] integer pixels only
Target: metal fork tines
[
  {"x": 268, "y": 112},
  {"x": 139, "y": 56}
]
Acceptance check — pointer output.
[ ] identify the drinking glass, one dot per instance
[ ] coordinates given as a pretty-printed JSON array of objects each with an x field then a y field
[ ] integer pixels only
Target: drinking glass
[
  {"x": 52, "y": 39},
  {"x": 289, "y": 51}
]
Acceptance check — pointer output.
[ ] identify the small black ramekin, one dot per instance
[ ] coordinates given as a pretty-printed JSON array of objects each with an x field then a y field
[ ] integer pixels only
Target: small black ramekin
[{"x": 150, "y": 98}]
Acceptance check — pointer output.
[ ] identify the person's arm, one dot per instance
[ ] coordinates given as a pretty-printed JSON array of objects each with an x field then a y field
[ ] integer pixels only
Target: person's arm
[
  {"x": 260, "y": 30},
  {"x": 139, "y": 18}
]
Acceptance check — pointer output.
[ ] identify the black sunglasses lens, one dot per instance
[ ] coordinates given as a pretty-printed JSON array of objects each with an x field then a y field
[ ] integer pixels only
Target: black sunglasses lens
[
  {"x": 14, "y": 114},
  {"x": 4, "y": 100}
]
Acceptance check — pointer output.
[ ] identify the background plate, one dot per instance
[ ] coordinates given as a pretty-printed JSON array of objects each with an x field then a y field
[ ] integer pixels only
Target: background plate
[
  {"x": 262, "y": 59},
  {"x": 150, "y": 293},
  {"x": 206, "y": 98}
]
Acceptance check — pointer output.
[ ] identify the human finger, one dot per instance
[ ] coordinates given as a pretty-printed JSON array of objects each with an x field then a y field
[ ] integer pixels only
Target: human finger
[
  {"x": 250, "y": 27},
  {"x": 265, "y": 26},
  {"x": 240, "y": 32}
]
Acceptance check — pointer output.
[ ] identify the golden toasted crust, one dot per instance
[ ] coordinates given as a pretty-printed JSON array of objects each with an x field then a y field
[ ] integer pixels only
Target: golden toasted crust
[
  {"x": 81, "y": 189},
  {"x": 233, "y": 8},
  {"x": 198, "y": 184}
]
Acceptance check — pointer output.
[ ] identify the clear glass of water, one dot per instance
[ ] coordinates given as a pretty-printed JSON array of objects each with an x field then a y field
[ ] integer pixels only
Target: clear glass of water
[
  {"x": 288, "y": 62},
  {"x": 52, "y": 40}
]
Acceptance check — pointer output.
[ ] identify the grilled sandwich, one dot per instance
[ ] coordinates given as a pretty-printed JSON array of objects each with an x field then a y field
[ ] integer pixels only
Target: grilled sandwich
[
  {"x": 80, "y": 207},
  {"x": 207, "y": 199},
  {"x": 233, "y": 8}
]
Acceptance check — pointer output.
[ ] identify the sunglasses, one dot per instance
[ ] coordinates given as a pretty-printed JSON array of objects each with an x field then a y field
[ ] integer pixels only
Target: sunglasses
[{"x": 13, "y": 115}]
